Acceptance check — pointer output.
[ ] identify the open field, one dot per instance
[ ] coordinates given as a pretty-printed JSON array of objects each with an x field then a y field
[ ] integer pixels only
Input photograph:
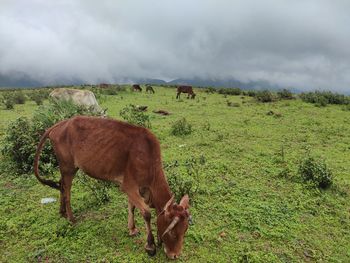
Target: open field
[{"x": 250, "y": 205}]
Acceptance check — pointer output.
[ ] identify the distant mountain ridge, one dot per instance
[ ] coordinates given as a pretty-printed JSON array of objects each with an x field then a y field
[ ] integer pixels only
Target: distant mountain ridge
[
  {"x": 18, "y": 80},
  {"x": 22, "y": 80}
]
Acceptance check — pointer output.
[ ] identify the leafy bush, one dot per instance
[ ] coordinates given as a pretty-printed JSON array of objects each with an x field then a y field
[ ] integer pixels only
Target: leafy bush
[
  {"x": 264, "y": 96},
  {"x": 181, "y": 127},
  {"x": 316, "y": 172},
  {"x": 285, "y": 94},
  {"x": 8, "y": 100},
  {"x": 22, "y": 135},
  {"x": 184, "y": 178},
  {"x": 133, "y": 115},
  {"x": 19, "y": 97},
  {"x": 322, "y": 98},
  {"x": 210, "y": 90},
  {"x": 251, "y": 93},
  {"x": 99, "y": 189},
  {"x": 111, "y": 90},
  {"x": 230, "y": 91},
  {"x": 321, "y": 102},
  {"x": 38, "y": 96},
  {"x": 18, "y": 145}
]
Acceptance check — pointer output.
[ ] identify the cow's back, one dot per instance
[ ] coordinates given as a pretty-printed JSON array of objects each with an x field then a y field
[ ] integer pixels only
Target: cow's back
[
  {"x": 104, "y": 147},
  {"x": 185, "y": 89}
]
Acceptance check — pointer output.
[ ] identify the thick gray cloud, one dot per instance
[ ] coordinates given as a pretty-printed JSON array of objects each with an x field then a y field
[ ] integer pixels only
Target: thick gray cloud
[{"x": 300, "y": 43}]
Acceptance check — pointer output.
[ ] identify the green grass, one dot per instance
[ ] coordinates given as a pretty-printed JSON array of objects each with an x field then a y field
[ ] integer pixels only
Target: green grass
[{"x": 251, "y": 205}]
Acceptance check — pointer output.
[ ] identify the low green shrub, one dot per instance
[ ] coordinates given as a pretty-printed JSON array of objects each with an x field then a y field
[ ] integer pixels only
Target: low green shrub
[
  {"x": 321, "y": 102},
  {"x": 133, "y": 115},
  {"x": 264, "y": 96},
  {"x": 22, "y": 135},
  {"x": 210, "y": 90},
  {"x": 251, "y": 93},
  {"x": 19, "y": 97},
  {"x": 285, "y": 94},
  {"x": 181, "y": 127},
  {"x": 99, "y": 189},
  {"x": 322, "y": 98},
  {"x": 8, "y": 100},
  {"x": 19, "y": 145},
  {"x": 316, "y": 172},
  {"x": 184, "y": 178},
  {"x": 230, "y": 91},
  {"x": 38, "y": 96},
  {"x": 112, "y": 90}
]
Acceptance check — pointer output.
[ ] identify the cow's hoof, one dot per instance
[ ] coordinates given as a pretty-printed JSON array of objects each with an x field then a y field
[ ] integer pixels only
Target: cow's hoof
[
  {"x": 72, "y": 220},
  {"x": 134, "y": 232},
  {"x": 151, "y": 250}
]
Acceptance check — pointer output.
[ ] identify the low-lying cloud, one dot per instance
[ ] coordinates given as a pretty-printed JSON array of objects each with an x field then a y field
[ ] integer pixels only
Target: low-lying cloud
[{"x": 302, "y": 44}]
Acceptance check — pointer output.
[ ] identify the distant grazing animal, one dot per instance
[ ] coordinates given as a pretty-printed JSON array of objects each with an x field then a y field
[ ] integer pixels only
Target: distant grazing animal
[
  {"x": 80, "y": 97},
  {"x": 185, "y": 89},
  {"x": 149, "y": 89},
  {"x": 136, "y": 87},
  {"x": 104, "y": 86},
  {"x": 162, "y": 112},
  {"x": 125, "y": 154}
]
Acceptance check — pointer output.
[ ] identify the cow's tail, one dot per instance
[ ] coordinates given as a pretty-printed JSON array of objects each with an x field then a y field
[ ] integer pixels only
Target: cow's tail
[{"x": 43, "y": 139}]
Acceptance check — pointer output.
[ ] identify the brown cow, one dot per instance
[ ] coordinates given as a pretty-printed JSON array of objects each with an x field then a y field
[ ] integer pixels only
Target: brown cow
[
  {"x": 149, "y": 89},
  {"x": 185, "y": 89},
  {"x": 104, "y": 85},
  {"x": 122, "y": 153},
  {"x": 136, "y": 87}
]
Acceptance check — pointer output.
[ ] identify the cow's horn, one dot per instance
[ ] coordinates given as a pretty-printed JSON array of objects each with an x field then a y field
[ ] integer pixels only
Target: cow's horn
[
  {"x": 172, "y": 224},
  {"x": 171, "y": 200}
]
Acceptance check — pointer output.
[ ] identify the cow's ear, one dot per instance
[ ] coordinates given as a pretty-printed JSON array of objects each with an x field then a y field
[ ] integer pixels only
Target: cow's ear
[{"x": 185, "y": 202}]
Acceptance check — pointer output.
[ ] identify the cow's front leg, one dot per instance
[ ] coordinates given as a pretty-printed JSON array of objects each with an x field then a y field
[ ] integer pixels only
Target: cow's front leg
[
  {"x": 133, "y": 231},
  {"x": 150, "y": 245},
  {"x": 137, "y": 200}
]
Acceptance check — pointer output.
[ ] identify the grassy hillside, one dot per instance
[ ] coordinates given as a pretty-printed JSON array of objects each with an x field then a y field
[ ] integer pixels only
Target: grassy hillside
[{"x": 249, "y": 205}]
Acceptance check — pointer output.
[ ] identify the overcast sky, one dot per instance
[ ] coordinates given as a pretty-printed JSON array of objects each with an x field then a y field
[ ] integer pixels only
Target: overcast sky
[{"x": 297, "y": 43}]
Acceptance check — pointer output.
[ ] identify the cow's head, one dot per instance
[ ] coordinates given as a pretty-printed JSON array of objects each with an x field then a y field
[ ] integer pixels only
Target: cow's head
[
  {"x": 193, "y": 95},
  {"x": 172, "y": 224}
]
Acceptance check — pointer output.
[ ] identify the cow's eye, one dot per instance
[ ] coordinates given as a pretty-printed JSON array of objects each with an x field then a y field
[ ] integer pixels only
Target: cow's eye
[{"x": 172, "y": 234}]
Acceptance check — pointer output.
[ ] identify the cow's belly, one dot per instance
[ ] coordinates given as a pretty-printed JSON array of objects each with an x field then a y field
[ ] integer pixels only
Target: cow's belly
[
  {"x": 103, "y": 173},
  {"x": 114, "y": 178}
]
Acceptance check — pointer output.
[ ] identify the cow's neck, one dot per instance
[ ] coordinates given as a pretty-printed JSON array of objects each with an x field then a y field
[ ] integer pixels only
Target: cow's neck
[{"x": 161, "y": 193}]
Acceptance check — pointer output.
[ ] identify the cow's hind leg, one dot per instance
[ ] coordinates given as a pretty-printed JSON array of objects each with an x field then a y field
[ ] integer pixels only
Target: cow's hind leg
[
  {"x": 133, "y": 231},
  {"x": 67, "y": 175},
  {"x": 66, "y": 184}
]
